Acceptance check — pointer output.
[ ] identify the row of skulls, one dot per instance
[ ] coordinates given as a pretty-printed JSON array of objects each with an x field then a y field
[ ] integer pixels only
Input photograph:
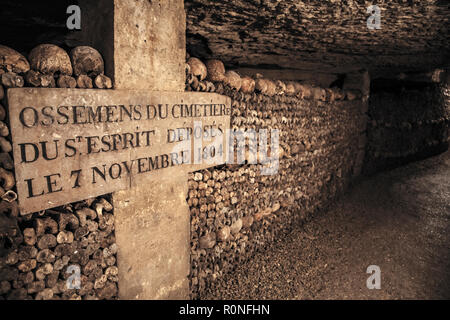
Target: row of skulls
[
  {"x": 213, "y": 71},
  {"x": 49, "y": 65}
]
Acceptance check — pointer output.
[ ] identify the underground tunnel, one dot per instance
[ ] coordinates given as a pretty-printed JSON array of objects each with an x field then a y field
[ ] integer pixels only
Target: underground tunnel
[{"x": 205, "y": 150}]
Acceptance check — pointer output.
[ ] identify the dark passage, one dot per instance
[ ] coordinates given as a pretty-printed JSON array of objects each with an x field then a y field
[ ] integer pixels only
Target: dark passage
[{"x": 398, "y": 220}]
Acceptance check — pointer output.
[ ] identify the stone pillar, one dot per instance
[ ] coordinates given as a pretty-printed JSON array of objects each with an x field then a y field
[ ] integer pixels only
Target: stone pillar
[
  {"x": 152, "y": 232},
  {"x": 143, "y": 42},
  {"x": 149, "y": 45},
  {"x": 152, "y": 221},
  {"x": 147, "y": 52}
]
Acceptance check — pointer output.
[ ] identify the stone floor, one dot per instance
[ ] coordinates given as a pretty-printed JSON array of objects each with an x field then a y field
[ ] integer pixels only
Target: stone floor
[{"x": 398, "y": 220}]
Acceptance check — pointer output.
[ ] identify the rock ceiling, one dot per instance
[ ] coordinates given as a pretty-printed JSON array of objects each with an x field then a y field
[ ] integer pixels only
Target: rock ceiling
[
  {"x": 312, "y": 35},
  {"x": 328, "y": 36}
]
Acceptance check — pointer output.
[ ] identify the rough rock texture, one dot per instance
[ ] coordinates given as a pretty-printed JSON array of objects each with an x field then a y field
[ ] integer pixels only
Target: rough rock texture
[
  {"x": 157, "y": 45},
  {"x": 407, "y": 121},
  {"x": 330, "y": 35}
]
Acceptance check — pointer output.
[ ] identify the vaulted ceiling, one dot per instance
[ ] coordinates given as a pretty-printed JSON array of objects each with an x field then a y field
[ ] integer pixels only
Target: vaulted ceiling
[{"x": 326, "y": 35}]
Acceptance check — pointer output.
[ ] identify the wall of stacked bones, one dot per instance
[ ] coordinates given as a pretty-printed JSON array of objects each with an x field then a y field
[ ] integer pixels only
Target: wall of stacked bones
[
  {"x": 37, "y": 250},
  {"x": 236, "y": 211},
  {"x": 407, "y": 121}
]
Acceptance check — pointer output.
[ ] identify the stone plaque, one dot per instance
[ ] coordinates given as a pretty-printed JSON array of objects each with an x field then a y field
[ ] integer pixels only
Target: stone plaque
[{"x": 72, "y": 144}]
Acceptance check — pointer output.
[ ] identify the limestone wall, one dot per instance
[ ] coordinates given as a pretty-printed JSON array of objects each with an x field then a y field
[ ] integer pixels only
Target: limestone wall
[{"x": 235, "y": 210}]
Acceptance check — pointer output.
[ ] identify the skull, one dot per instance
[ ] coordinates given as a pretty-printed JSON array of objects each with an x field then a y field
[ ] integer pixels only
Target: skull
[
  {"x": 290, "y": 89},
  {"x": 198, "y": 68},
  {"x": 50, "y": 59},
  {"x": 271, "y": 88},
  {"x": 87, "y": 61},
  {"x": 12, "y": 61},
  {"x": 248, "y": 85},
  {"x": 233, "y": 80},
  {"x": 216, "y": 70},
  {"x": 261, "y": 85},
  {"x": 281, "y": 87}
]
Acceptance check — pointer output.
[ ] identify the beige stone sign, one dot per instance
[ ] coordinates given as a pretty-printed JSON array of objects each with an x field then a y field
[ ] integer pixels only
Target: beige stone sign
[{"x": 72, "y": 144}]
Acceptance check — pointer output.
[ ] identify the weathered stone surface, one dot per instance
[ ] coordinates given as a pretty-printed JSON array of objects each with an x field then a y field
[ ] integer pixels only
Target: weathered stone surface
[
  {"x": 157, "y": 43},
  {"x": 330, "y": 36},
  {"x": 113, "y": 137},
  {"x": 152, "y": 219},
  {"x": 152, "y": 227}
]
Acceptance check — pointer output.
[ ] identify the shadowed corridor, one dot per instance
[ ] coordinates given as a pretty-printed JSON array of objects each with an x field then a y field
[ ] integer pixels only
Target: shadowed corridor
[{"x": 398, "y": 220}]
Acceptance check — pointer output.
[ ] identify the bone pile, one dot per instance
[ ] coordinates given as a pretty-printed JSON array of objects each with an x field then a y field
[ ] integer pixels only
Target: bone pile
[
  {"x": 37, "y": 264},
  {"x": 37, "y": 251},
  {"x": 49, "y": 66},
  {"x": 405, "y": 124},
  {"x": 236, "y": 211}
]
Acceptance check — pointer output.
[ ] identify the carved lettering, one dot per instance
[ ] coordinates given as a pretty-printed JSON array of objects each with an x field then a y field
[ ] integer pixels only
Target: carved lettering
[{"x": 71, "y": 145}]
